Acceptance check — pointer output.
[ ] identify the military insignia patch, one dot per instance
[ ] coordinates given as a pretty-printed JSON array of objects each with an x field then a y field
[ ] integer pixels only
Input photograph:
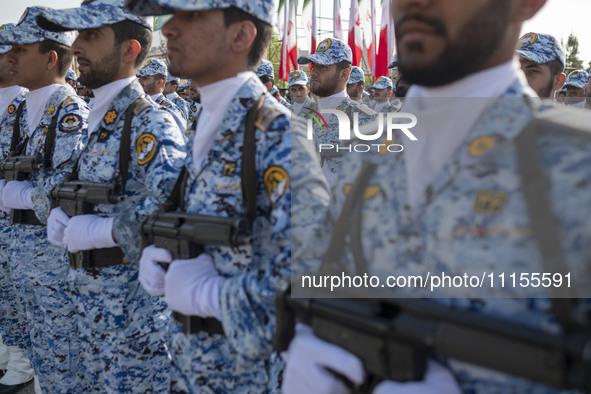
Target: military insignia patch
[
  {"x": 276, "y": 182},
  {"x": 229, "y": 168},
  {"x": 575, "y": 75},
  {"x": 11, "y": 109},
  {"x": 324, "y": 45},
  {"x": 110, "y": 117},
  {"x": 147, "y": 63},
  {"x": 103, "y": 135},
  {"x": 146, "y": 148},
  {"x": 266, "y": 116},
  {"x": 50, "y": 110},
  {"x": 528, "y": 39},
  {"x": 370, "y": 192},
  {"x": 489, "y": 202},
  {"x": 295, "y": 74},
  {"x": 70, "y": 123},
  {"x": 481, "y": 145},
  {"x": 3, "y": 27}
]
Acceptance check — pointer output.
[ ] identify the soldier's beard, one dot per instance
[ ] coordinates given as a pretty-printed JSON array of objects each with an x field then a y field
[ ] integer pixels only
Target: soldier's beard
[
  {"x": 103, "y": 72},
  {"x": 327, "y": 89},
  {"x": 548, "y": 90},
  {"x": 476, "y": 43}
]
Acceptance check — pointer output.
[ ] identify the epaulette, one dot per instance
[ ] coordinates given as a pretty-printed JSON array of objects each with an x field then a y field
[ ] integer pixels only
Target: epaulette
[
  {"x": 267, "y": 114},
  {"x": 363, "y": 108}
]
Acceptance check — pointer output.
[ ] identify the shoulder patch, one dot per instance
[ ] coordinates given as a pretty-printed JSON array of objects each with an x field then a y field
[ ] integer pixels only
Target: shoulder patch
[
  {"x": 50, "y": 110},
  {"x": 70, "y": 123},
  {"x": 267, "y": 115},
  {"x": 276, "y": 182},
  {"x": 146, "y": 148}
]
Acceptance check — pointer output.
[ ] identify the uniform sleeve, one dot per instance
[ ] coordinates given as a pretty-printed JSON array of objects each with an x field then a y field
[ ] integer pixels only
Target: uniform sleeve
[
  {"x": 70, "y": 138},
  {"x": 248, "y": 300},
  {"x": 158, "y": 149}
]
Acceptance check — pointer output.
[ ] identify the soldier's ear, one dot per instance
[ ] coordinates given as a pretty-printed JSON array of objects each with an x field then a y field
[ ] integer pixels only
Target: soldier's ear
[
  {"x": 52, "y": 60},
  {"x": 242, "y": 35},
  {"x": 130, "y": 50}
]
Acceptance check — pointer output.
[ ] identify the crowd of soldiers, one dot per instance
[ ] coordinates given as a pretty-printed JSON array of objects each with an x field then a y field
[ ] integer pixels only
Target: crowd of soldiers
[{"x": 149, "y": 227}]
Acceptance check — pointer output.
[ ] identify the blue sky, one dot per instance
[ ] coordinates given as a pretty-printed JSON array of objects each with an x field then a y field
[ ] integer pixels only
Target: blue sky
[{"x": 558, "y": 17}]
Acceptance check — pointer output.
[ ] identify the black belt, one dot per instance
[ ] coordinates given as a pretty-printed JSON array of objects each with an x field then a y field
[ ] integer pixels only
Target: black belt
[
  {"x": 24, "y": 216},
  {"x": 195, "y": 324},
  {"x": 97, "y": 258}
]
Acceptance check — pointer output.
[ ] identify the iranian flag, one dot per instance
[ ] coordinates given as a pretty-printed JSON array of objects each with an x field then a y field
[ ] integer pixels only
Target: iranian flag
[
  {"x": 384, "y": 55},
  {"x": 355, "y": 32},
  {"x": 289, "y": 48}
]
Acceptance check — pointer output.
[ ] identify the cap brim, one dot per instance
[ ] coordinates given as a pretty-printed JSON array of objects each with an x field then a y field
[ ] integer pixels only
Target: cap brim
[
  {"x": 16, "y": 37},
  {"x": 80, "y": 18},
  {"x": 316, "y": 58},
  {"x": 300, "y": 83},
  {"x": 148, "y": 7},
  {"x": 531, "y": 57},
  {"x": 5, "y": 49},
  {"x": 574, "y": 85}
]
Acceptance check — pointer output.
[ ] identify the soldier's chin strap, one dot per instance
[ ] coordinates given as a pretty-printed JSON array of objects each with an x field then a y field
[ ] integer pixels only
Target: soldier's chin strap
[{"x": 535, "y": 186}]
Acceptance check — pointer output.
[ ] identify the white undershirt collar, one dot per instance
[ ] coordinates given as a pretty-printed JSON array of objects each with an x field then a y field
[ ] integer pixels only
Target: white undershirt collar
[
  {"x": 7, "y": 96},
  {"x": 329, "y": 102},
  {"x": 103, "y": 97},
  {"x": 36, "y": 101}
]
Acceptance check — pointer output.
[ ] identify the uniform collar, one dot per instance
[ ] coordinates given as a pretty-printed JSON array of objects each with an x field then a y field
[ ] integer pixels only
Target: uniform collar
[
  {"x": 216, "y": 97},
  {"x": 36, "y": 101},
  {"x": 103, "y": 97},
  {"x": 7, "y": 97},
  {"x": 327, "y": 102}
]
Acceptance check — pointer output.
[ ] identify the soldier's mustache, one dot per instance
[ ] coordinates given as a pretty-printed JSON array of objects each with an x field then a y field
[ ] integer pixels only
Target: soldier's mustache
[{"x": 436, "y": 24}]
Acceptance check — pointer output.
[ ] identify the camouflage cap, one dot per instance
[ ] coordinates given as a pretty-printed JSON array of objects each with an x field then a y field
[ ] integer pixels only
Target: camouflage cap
[
  {"x": 329, "y": 51},
  {"x": 394, "y": 62},
  {"x": 357, "y": 75},
  {"x": 265, "y": 68},
  {"x": 383, "y": 83},
  {"x": 27, "y": 31},
  {"x": 6, "y": 48},
  {"x": 71, "y": 75},
  {"x": 297, "y": 77},
  {"x": 263, "y": 10},
  {"x": 152, "y": 67},
  {"x": 541, "y": 48},
  {"x": 91, "y": 14},
  {"x": 172, "y": 78},
  {"x": 577, "y": 79},
  {"x": 183, "y": 87}
]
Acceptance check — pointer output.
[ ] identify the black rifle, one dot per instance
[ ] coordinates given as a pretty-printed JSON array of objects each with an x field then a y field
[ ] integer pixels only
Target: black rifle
[
  {"x": 395, "y": 337},
  {"x": 80, "y": 198},
  {"x": 18, "y": 168},
  {"x": 184, "y": 234}
]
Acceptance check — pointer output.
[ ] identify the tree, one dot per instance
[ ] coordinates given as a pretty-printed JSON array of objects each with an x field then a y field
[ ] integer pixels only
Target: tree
[{"x": 572, "y": 53}]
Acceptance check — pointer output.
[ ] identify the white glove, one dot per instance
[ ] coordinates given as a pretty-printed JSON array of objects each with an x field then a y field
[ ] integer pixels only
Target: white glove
[
  {"x": 438, "y": 379},
  {"x": 192, "y": 287},
  {"x": 17, "y": 195},
  {"x": 85, "y": 232},
  {"x": 2, "y": 207},
  {"x": 151, "y": 274},
  {"x": 307, "y": 361},
  {"x": 56, "y": 224}
]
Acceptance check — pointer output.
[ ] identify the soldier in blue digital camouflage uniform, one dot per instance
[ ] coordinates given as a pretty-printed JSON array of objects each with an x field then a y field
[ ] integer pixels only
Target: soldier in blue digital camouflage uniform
[
  {"x": 122, "y": 328},
  {"x": 14, "y": 338},
  {"x": 543, "y": 60},
  {"x": 453, "y": 200},
  {"x": 575, "y": 88},
  {"x": 331, "y": 68},
  {"x": 170, "y": 91},
  {"x": 382, "y": 97},
  {"x": 193, "y": 100},
  {"x": 356, "y": 84},
  {"x": 152, "y": 77},
  {"x": 54, "y": 113},
  {"x": 297, "y": 85},
  {"x": 266, "y": 73},
  {"x": 234, "y": 287}
]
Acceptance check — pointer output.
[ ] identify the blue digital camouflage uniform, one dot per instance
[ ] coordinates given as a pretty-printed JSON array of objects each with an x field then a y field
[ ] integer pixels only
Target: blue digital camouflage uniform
[
  {"x": 194, "y": 109},
  {"x": 13, "y": 320},
  {"x": 302, "y": 109},
  {"x": 122, "y": 328},
  {"x": 242, "y": 360},
  {"x": 117, "y": 316},
  {"x": 577, "y": 79},
  {"x": 182, "y": 104},
  {"x": 174, "y": 110},
  {"x": 473, "y": 218},
  {"x": 388, "y": 106},
  {"x": 41, "y": 269},
  {"x": 357, "y": 75},
  {"x": 265, "y": 68}
]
